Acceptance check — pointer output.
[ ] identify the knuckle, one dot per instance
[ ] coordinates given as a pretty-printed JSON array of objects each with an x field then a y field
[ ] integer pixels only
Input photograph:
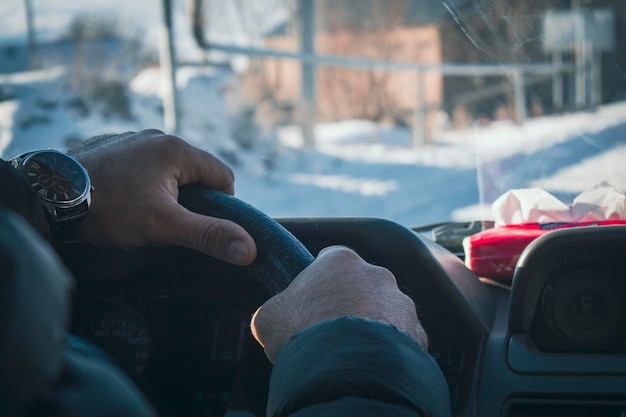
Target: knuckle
[
  {"x": 341, "y": 254},
  {"x": 171, "y": 143},
  {"x": 168, "y": 150},
  {"x": 384, "y": 276},
  {"x": 224, "y": 170},
  {"x": 410, "y": 304},
  {"x": 151, "y": 132}
]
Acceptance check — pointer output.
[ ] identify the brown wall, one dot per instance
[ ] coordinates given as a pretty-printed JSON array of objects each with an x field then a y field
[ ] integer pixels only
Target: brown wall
[{"x": 354, "y": 93}]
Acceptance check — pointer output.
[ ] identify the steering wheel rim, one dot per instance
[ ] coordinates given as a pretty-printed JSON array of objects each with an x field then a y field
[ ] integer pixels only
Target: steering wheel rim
[{"x": 280, "y": 256}]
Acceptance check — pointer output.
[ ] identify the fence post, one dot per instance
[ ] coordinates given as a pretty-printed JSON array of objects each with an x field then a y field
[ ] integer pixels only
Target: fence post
[
  {"x": 33, "y": 53},
  {"x": 168, "y": 68},
  {"x": 580, "y": 52},
  {"x": 519, "y": 95},
  {"x": 419, "y": 114},
  {"x": 595, "y": 82},
  {"x": 306, "y": 10},
  {"x": 557, "y": 81}
]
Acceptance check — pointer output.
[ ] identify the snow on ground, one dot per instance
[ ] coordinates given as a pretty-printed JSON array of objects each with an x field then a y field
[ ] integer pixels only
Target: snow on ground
[
  {"x": 358, "y": 168},
  {"x": 607, "y": 166},
  {"x": 565, "y": 154}
]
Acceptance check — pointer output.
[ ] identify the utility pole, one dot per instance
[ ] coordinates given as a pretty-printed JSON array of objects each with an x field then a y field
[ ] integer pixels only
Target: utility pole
[
  {"x": 420, "y": 112},
  {"x": 519, "y": 89},
  {"x": 306, "y": 12},
  {"x": 167, "y": 55},
  {"x": 33, "y": 56},
  {"x": 557, "y": 81},
  {"x": 581, "y": 52}
]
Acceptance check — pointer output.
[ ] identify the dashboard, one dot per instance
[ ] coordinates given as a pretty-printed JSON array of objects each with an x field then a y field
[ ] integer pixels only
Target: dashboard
[{"x": 550, "y": 343}]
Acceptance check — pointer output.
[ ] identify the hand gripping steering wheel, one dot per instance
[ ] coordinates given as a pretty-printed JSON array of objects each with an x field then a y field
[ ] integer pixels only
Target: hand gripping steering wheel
[{"x": 280, "y": 256}]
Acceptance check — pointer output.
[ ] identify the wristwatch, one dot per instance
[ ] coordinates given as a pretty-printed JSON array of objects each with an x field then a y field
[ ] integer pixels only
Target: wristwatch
[{"x": 63, "y": 186}]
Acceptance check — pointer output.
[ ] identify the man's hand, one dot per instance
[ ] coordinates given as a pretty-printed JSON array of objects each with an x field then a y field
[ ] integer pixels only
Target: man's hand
[
  {"x": 136, "y": 178},
  {"x": 338, "y": 283}
]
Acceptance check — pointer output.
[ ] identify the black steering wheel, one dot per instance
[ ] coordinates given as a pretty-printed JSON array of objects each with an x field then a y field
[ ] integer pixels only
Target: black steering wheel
[
  {"x": 186, "y": 307},
  {"x": 184, "y": 316},
  {"x": 280, "y": 256},
  {"x": 198, "y": 309}
]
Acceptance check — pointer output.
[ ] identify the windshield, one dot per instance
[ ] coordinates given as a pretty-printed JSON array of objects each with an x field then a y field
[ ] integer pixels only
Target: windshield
[{"x": 417, "y": 111}]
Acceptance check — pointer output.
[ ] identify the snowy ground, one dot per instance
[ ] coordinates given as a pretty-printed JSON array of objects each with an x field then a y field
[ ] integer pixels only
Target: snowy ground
[{"x": 358, "y": 168}]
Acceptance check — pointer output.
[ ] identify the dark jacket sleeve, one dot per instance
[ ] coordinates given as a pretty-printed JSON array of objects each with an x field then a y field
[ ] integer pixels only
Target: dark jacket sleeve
[
  {"x": 351, "y": 366},
  {"x": 19, "y": 197}
]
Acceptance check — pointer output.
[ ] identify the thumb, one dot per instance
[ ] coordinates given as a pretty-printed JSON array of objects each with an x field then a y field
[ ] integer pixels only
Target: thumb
[{"x": 220, "y": 238}]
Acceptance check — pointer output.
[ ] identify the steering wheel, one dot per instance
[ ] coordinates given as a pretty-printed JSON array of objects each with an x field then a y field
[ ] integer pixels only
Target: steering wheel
[
  {"x": 280, "y": 256},
  {"x": 177, "y": 306},
  {"x": 185, "y": 315}
]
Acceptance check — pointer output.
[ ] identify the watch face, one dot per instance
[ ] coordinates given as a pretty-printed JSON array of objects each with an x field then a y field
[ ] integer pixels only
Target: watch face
[{"x": 56, "y": 177}]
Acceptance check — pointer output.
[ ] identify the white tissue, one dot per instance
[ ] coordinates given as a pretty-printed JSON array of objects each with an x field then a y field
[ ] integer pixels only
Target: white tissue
[{"x": 534, "y": 205}]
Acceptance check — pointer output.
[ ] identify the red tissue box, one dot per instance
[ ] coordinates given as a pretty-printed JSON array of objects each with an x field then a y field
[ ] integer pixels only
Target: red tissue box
[{"x": 493, "y": 253}]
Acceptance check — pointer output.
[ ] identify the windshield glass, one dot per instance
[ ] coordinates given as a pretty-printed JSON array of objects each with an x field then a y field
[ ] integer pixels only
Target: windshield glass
[{"x": 417, "y": 111}]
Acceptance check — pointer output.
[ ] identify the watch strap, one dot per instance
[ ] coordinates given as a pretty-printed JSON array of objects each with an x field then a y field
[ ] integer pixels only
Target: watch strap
[{"x": 67, "y": 221}]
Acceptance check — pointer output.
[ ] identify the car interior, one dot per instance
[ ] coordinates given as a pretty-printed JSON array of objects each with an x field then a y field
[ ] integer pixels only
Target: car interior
[
  {"x": 552, "y": 342},
  {"x": 547, "y": 341}
]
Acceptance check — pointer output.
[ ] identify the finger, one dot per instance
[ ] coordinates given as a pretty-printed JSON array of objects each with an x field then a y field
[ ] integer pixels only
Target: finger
[
  {"x": 412, "y": 323},
  {"x": 341, "y": 253},
  {"x": 203, "y": 168},
  {"x": 220, "y": 238},
  {"x": 348, "y": 257},
  {"x": 331, "y": 249}
]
